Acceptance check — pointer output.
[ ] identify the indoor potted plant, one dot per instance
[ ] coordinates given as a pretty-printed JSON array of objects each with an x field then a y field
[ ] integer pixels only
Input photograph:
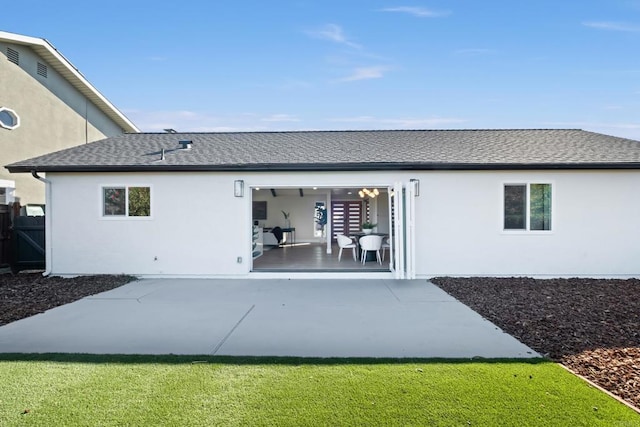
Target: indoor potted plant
[
  {"x": 367, "y": 227},
  {"x": 287, "y": 221}
]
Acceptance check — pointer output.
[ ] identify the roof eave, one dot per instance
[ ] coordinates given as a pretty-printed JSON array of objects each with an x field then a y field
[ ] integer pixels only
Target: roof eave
[{"x": 305, "y": 167}]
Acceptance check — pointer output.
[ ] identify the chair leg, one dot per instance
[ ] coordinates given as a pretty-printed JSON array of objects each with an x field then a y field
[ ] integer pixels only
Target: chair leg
[
  {"x": 383, "y": 253},
  {"x": 378, "y": 256},
  {"x": 339, "y": 254},
  {"x": 354, "y": 255},
  {"x": 364, "y": 256}
]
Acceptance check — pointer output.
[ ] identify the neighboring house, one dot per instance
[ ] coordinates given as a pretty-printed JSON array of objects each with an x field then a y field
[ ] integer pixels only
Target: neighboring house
[
  {"x": 46, "y": 105},
  {"x": 543, "y": 203}
]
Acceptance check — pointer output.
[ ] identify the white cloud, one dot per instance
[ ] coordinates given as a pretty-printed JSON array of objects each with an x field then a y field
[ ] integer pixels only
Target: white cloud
[
  {"x": 612, "y": 26},
  {"x": 365, "y": 73},
  {"x": 422, "y": 122},
  {"x": 333, "y": 33},
  {"x": 419, "y": 12},
  {"x": 192, "y": 121},
  {"x": 401, "y": 122},
  {"x": 280, "y": 118},
  {"x": 356, "y": 119},
  {"x": 204, "y": 121}
]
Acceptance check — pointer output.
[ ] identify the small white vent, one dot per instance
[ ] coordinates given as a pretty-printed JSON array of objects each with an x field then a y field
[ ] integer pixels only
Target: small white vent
[
  {"x": 13, "y": 56},
  {"x": 42, "y": 70}
]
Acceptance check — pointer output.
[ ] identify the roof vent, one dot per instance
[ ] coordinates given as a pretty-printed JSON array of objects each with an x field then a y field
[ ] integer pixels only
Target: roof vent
[
  {"x": 13, "y": 56},
  {"x": 42, "y": 70},
  {"x": 185, "y": 145}
]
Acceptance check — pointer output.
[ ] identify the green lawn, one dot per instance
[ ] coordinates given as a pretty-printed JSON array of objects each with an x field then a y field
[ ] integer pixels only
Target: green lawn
[{"x": 63, "y": 390}]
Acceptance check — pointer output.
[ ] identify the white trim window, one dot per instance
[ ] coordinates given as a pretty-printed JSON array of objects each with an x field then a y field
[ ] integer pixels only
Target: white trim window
[
  {"x": 527, "y": 207},
  {"x": 126, "y": 201},
  {"x": 9, "y": 119}
]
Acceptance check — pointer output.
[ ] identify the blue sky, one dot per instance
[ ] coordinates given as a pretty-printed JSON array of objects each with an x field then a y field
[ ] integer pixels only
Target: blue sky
[{"x": 325, "y": 64}]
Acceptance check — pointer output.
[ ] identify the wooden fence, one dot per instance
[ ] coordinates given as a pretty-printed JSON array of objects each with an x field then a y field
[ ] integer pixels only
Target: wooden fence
[
  {"x": 28, "y": 245},
  {"x": 5, "y": 236},
  {"x": 22, "y": 241}
]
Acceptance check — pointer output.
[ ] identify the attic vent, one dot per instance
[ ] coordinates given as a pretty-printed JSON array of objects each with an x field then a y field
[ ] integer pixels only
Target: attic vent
[
  {"x": 42, "y": 70},
  {"x": 185, "y": 145},
  {"x": 13, "y": 56}
]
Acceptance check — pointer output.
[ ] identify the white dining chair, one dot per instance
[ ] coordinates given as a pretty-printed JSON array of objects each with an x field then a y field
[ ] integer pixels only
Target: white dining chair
[
  {"x": 386, "y": 245},
  {"x": 368, "y": 244},
  {"x": 345, "y": 242}
]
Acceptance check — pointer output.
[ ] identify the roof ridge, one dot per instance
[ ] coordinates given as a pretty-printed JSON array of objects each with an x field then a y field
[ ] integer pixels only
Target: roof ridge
[{"x": 353, "y": 131}]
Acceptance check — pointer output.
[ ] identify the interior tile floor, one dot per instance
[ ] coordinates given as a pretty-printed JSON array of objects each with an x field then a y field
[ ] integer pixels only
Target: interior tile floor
[{"x": 313, "y": 256}]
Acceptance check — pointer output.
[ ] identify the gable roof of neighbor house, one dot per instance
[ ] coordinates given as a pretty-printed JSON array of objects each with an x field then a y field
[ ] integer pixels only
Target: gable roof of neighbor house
[
  {"x": 345, "y": 150},
  {"x": 67, "y": 70}
]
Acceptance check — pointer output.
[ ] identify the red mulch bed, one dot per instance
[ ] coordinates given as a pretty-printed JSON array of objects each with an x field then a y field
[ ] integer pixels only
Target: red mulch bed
[{"x": 591, "y": 326}]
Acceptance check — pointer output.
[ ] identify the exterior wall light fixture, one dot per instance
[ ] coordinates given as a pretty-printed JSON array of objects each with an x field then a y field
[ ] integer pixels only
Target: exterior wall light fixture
[
  {"x": 417, "y": 186},
  {"x": 238, "y": 188}
]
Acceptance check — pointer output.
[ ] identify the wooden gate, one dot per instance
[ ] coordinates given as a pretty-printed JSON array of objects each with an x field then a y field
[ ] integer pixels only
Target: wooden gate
[
  {"x": 5, "y": 235},
  {"x": 28, "y": 243},
  {"x": 346, "y": 217}
]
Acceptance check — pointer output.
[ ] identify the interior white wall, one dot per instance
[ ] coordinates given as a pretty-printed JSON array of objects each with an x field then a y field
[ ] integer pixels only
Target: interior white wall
[
  {"x": 199, "y": 228},
  {"x": 300, "y": 210}
]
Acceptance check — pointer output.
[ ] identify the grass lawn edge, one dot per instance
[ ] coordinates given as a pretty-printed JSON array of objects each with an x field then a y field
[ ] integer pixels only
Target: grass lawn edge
[{"x": 594, "y": 385}]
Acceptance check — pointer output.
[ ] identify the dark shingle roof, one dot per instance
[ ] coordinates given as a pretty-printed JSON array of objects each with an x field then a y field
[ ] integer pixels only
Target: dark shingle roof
[{"x": 346, "y": 150}]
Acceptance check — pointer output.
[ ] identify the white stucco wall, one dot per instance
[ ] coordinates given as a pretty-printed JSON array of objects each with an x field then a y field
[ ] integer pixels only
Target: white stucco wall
[
  {"x": 199, "y": 228},
  {"x": 595, "y": 226}
]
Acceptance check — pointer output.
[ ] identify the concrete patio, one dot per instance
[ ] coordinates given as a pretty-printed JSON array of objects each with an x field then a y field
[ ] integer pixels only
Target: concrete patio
[{"x": 307, "y": 318}]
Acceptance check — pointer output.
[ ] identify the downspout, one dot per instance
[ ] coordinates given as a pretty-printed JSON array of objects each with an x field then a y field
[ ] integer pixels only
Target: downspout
[{"x": 47, "y": 222}]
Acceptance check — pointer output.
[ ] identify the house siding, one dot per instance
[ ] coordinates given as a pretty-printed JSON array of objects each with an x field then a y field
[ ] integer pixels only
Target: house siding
[{"x": 52, "y": 114}]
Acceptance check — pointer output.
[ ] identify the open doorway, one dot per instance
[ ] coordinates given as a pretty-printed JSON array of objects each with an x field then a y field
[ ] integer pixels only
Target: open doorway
[{"x": 295, "y": 229}]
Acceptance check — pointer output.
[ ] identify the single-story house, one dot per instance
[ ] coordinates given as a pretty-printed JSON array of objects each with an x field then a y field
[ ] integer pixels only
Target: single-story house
[{"x": 542, "y": 203}]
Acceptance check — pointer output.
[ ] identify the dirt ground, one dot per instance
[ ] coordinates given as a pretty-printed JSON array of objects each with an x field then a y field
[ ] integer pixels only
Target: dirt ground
[{"x": 591, "y": 326}]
